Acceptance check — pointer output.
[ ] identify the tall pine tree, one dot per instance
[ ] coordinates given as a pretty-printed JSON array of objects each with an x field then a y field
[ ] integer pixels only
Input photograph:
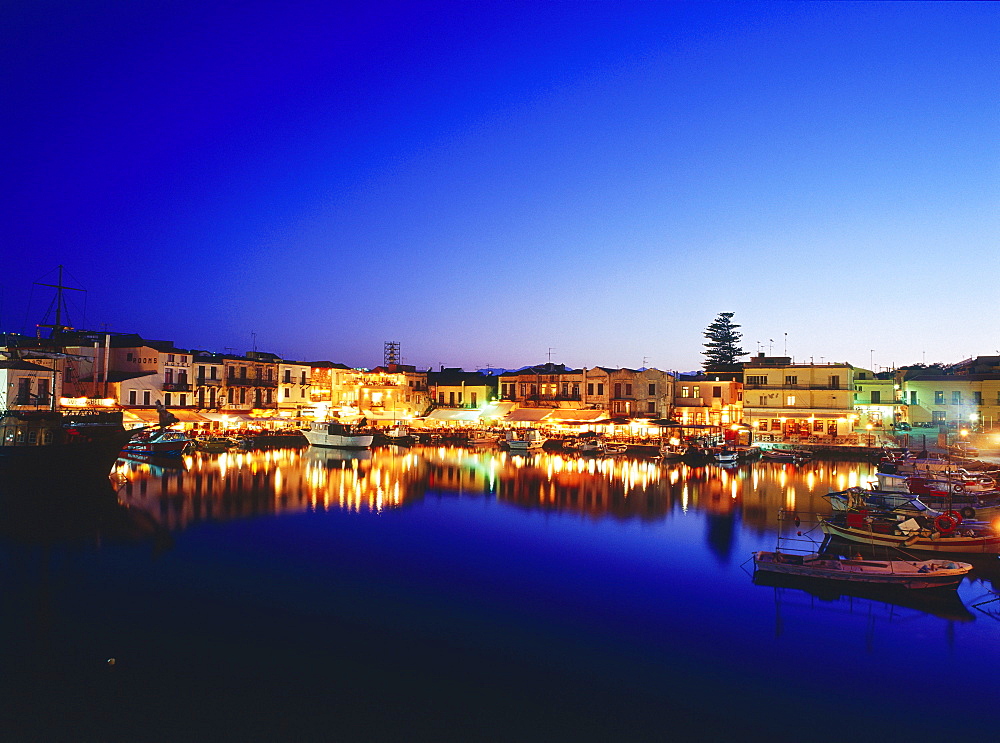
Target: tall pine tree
[{"x": 722, "y": 352}]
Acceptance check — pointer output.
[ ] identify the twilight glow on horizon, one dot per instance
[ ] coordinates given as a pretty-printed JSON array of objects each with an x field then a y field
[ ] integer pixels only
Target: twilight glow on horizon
[{"x": 501, "y": 183}]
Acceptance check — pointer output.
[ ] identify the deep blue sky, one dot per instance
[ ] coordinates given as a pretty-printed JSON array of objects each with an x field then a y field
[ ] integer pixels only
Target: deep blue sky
[{"x": 485, "y": 181}]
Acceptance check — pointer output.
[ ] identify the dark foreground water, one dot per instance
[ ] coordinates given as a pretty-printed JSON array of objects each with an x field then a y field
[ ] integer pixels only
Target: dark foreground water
[{"x": 443, "y": 594}]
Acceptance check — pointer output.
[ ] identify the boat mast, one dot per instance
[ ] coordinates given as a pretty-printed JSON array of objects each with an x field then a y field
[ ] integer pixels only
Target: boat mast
[{"x": 57, "y": 328}]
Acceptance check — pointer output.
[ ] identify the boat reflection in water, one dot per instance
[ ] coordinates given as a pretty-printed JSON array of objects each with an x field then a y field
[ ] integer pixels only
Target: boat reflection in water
[
  {"x": 238, "y": 484},
  {"x": 87, "y": 512}
]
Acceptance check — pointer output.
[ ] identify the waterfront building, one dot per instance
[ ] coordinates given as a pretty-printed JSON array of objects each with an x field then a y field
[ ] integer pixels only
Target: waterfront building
[
  {"x": 294, "y": 385},
  {"x": 26, "y": 385},
  {"x": 783, "y": 400},
  {"x": 878, "y": 400},
  {"x": 964, "y": 395},
  {"x": 708, "y": 399},
  {"x": 457, "y": 388},
  {"x": 250, "y": 383}
]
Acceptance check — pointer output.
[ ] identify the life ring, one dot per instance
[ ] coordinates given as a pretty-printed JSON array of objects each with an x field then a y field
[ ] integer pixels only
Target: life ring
[
  {"x": 955, "y": 516},
  {"x": 969, "y": 512},
  {"x": 959, "y": 488},
  {"x": 987, "y": 481},
  {"x": 945, "y": 524}
]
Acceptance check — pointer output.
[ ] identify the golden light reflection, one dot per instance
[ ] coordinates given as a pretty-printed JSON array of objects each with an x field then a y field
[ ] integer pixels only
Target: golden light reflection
[{"x": 242, "y": 484}]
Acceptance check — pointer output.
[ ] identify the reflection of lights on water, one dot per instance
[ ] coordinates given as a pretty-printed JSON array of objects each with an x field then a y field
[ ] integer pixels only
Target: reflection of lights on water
[{"x": 790, "y": 498}]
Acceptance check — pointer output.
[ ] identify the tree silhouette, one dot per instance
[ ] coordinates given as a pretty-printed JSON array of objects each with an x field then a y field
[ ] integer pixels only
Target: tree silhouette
[{"x": 722, "y": 350}]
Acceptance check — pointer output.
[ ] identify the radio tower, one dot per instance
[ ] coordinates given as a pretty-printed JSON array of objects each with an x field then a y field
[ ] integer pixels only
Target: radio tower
[{"x": 391, "y": 354}]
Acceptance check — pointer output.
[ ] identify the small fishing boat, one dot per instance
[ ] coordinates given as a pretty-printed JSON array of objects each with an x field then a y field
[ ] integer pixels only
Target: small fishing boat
[
  {"x": 911, "y": 574},
  {"x": 214, "y": 444},
  {"x": 161, "y": 442},
  {"x": 945, "y": 533},
  {"x": 338, "y": 435},
  {"x": 786, "y": 455},
  {"x": 524, "y": 440}
]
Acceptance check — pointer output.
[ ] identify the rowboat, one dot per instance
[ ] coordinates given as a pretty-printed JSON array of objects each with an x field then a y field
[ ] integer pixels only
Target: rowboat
[{"x": 911, "y": 574}]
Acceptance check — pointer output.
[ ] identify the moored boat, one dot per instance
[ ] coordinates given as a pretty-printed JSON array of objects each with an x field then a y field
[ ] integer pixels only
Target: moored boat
[
  {"x": 53, "y": 445},
  {"x": 946, "y": 533},
  {"x": 524, "y": 440},
  {"x": 338, "y": 435},
  {"x": 161, "y": 442},
  {"x": 910, "y": 574}
]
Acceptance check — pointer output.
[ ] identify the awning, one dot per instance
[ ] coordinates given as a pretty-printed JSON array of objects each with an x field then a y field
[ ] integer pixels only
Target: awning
[
  {"x": 385, "y": 415},
  {"x": 527, "y": 415},
  {"x": 452, "y": 414},
  {"x": 227, "y": 417},
  {"x": 144, "y": 416},
  {"x": 577, "y": 416},
  {"x": 187, "y": 416}
]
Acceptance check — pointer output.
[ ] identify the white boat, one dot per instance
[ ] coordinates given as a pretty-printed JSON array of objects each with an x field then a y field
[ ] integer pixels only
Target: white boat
[
  {"x": 913, "y": 574},
  {"x": 525, "y": 439},
  {"x": 725, "y": 455},
  {"x": 337, "y": 435}
]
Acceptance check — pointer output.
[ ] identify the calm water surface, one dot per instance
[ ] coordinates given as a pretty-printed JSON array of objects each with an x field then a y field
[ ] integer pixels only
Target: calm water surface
[{"x": 433, "y": 594}]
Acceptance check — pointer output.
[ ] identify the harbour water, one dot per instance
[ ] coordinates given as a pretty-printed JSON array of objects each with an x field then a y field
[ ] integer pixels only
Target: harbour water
[{"x": 462, "y": 594}]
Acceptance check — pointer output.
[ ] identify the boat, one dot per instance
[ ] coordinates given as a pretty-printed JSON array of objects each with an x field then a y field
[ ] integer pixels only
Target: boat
[
  {"x": 338, "y": 435},
  {"x": 725, "y": 455},
  {"x": 52, "y": 445},
  {"x": 906, "y": 504},
  {"x": 786, "y": 455},
  {"x": 945, "y": 533},
  {"x": 395, "y": 435},
  {"x": 911, "y": 574},
  {"x": 284, "y": 439},
  {"x": 214, "y": 444},
  {"x": 525, "y": 439},
  {"x": 161, "y": 442}
]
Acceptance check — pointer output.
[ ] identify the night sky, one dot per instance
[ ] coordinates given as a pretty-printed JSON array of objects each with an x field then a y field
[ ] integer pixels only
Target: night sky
[{"x": 483, "y": 182}]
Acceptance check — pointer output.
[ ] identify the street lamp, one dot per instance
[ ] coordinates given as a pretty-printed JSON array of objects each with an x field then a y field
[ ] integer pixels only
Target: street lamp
[{"x": 869, "y": 427}]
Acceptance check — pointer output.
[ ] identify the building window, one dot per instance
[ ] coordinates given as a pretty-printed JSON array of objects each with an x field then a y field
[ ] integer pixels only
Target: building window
[
  {"x": 717, "y": 392},
  {"x": 214, "y": 370},
  {"x": 762, "y": 426},
  {"x": 938, "y": 397},
  {"x": 651, "y": 407},
  {"x": 184, "y": 401},
  {"x": 132, "y": 396},
  {"x": 834, "y": 382},
  {"x": 288, "y": 392},
  {"x": 791, "y": 380},
  {"x": 473, "y": 398},
  {"x": 696, "y": 392},
  {"x": 600, "y": 388},
  {"x": 652, "y": 390},
  {"x": 977, "y": 398},
  {"x": 876, "y": 396},
  {"x": 685, "y": 392},
  {"x": 818, "y": 426},
  {"x": 565, "y": 389},
  {"x": 576, "y": 390},
  {"x": 145, "y": 397},
  {"x": 628, "y": 390},
  {"x": 913, "y": 397},
  {"x": 524, "y": 389},
  {"x": 167, "y": 401},
  {"x": 763, "y": 401},
  {"x": 170, "y": 358},
  {"x": 956, "y": 397},
  {"x": 618, "y": 389},
  {"x": 775, "y": 424},
  {"x": 937, "y": 417},
  {"x": 790, "y": 400},
  {"x": 757, "y": 380}
]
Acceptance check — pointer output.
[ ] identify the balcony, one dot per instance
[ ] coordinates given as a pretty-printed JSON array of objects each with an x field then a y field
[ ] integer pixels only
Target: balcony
[
  {"x": 249, "y": 382},
  {"x": 176, "y": 387},
  {"x": 202, "y": 381}
]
